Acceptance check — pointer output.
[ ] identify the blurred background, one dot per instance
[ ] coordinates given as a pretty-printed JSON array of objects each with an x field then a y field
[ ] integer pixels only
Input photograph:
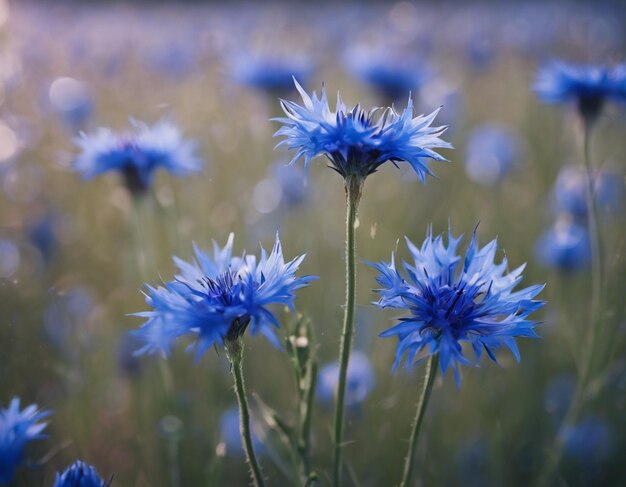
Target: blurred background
[{"x": 68, "y": 248}]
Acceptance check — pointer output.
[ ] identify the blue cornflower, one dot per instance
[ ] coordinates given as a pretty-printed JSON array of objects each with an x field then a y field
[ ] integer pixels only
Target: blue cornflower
[
  {"x": 565, "y": 245},
  {"x": 361, "y": 380},
  {"x": 357, "y": 142},
  {"x": 492, "y": 151},
  {"x": 587, "y": 85},
  {"x": 392, "y": 76},
  {"x": 453, "y": 300},
  {"x": 271, "y": 73},
  {"x": 570, "y": 191},
  {"x": 17, "y": 428},
  {"x": 589, "y": 442},
  {"x": 218, "y": 297},
  {"x": 80, "y": 474},
  {"x": 137, "y": 154}
]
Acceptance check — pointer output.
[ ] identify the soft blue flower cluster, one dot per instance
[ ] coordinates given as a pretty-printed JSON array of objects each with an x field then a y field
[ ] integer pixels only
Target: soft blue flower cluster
[
  {"x": 230, "y": 436},
  {"x": 453, "y": 300},
  {"x": 360, "y": 381},
  {"x": 137, "y": 154},
  {"x": 357, "y": 142},
  {"x": 492, "y": 151},
  {"x": 587, "y": 85},
  {"x": 394, "y": 77},
  {"x": 270, "y": 73},
  {"x": 17, "y": 429},
  {"x": 217, "y": 297},
  {"x": 79, "y": 474},
  {"x": 565, "y": 245}
]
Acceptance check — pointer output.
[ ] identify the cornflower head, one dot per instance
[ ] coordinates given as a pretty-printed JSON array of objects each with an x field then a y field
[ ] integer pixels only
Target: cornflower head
[
  {"x": 270, "y": 73},
  {"x": 358, "y": 142},
  {"x": 589, "y": 86},
  {"x": 80, "y": 474},
  {"x": 451, "y": 300},
  {"x": 17, "y": 429},
  {"x": 137, "y": 154},
  {"x": 217, "y": 297}
]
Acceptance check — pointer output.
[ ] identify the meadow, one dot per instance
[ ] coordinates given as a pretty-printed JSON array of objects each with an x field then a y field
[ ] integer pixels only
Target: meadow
[{"x": 75, "y": 254}]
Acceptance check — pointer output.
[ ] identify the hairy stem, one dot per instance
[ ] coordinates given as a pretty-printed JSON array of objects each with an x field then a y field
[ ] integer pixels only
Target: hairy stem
[
  {"x": 422, "y": 404},
  {"x": 234, "y": 350},
  {"x": 353, "y": 195}
]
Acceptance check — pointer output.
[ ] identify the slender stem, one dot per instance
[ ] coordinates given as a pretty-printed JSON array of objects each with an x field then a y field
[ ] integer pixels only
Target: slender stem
[
  {"x": 422, "y": 404},
  {"x": 597, "y": 271},
  {"x": 234, "y": 351},
  {"x": 306, "y": 403},
  {"x": 353, "y": 195}
]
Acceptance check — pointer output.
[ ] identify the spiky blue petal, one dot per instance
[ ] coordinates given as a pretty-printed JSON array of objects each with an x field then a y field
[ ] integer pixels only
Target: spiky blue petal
[
  {"x": 17, "y": 429},
  {"x": 79, "y": 474},
  {"x": 453, "y": 299},
  {"x": 357, "y": 142},
  {"x": 218, "y": 296}
]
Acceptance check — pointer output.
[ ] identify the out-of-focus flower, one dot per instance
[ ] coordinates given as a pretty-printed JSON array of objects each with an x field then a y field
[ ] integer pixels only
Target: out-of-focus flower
[
  {"x": 66, "y": 320},
  {"x": 270, "y": 73},
  {"x": 558, "y": 395},
  {"x": 492, "y": 151},
  {"x": 71, "y": 100},
  {"x": 218, "y": 297},
  {"x": 17, "y": 429},
  {"x": 292, "y": 181},
  {"x": 565, "y": 245},
  {"x": 360, "y": 381},
  {"x": 590, "y": 86},
  {"x": 481, "y": 51},
  {"x": 230, "y": 435},
  {"x": 357, "y": 142},
  {"x": 394, "y": 77},
  {"x": 10, "y": 258},
  {"x": 570, "y": 191},
  {"x": 452, "y": 300},
  {"x": 590, "y": 441},
  {"x": 79, "y": 474},
  {"x": 43, "y": 234},
  {"x": 138, "y": 154}
]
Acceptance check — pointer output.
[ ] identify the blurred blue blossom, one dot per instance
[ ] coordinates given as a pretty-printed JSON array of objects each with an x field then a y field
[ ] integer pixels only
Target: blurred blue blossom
[
  {"x": 137, "y": 154},
  {"x": 230, "y": 435},
  {"x": 66, "y": 321},
  {"x": 292, "y": 181},
  {"x": 10, "y": 258},
  {"x": 43, "y": 234},
  {"x": 356, "y": 142},
  {"x": 565, "y": 245},
  {"x": 271, "y": 73},
  {"x": 492, "y": 151},
  {"x": 481, "y": 51},
  {"x": 71, "y": 100},
  {"x": 558, "y": 395},
  {"x": 587, "y": 85},
  {"x": 360, "y": 381},
  {"x": 453, "y": 300},
  {"x": 392, "y": 76},
  {"x": 570, "y": 191},
  {"x": 17, "y": 429},
  {"x": 219, "y": 296},
  {"x": 79, "y": 474},
  {"x": 589, "y": 442}
]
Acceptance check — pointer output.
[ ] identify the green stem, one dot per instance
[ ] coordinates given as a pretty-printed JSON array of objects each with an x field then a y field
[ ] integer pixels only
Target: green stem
[
  {"x": 234, "y": 351},
  {"x": 597, "y": 270},
  {"x": 422, "y": 404},
  {"x": 353, "y": 187},
  {"x": 306, "y": 403}
]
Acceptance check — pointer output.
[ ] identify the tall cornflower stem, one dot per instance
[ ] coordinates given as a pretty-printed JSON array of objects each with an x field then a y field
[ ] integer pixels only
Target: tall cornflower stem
[
  {"x": 353, "y": 186},
  {"x": 597, "y": 277},
  {"x": 597, "y": 265},
  {"x": 422, "y": 404},
  {"x": 234, "y": 351}
]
